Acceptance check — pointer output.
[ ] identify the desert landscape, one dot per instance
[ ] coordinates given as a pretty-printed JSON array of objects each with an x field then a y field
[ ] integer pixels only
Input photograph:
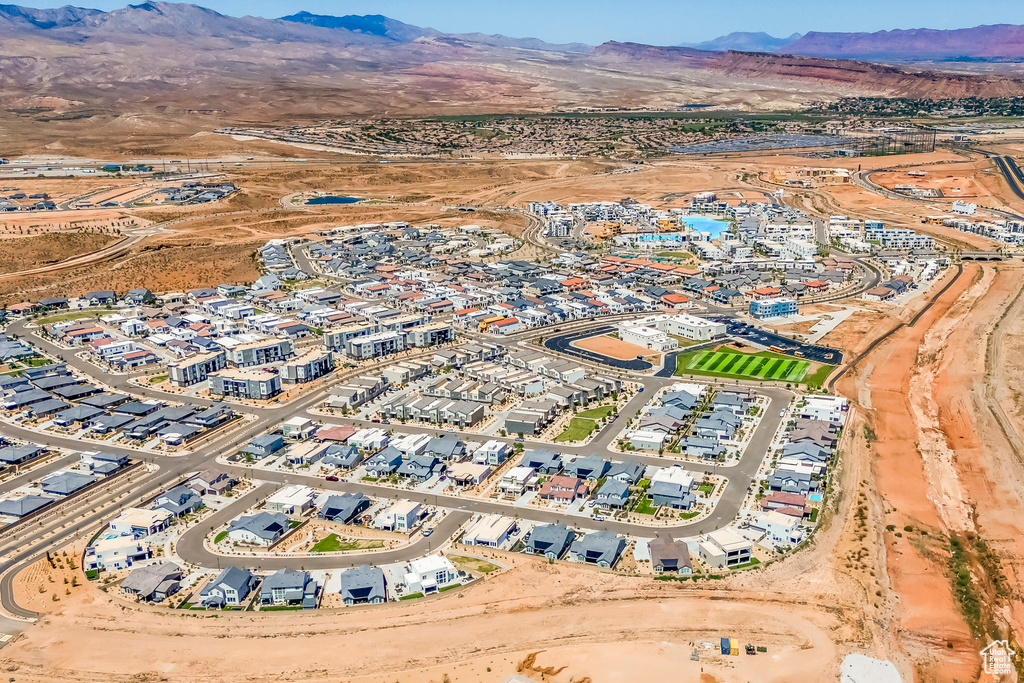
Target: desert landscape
[{"x": 342, "y": 301}]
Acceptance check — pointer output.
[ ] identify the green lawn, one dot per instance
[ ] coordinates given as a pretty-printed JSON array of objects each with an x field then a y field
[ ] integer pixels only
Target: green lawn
[
  {"x": 36, "y": 362},
  {"x": 706, "y": 488},
  {"x": 688, "y": 515},
  {"x": 597, "y": 413},
  {"x": 760, "y": 365},
  {"x": 221, "y": 536},
  {"x": 646, "y": 507},
  {"x": 157, "y": 379},
  {"x": 675, "y": 254},
  {"x": 333, "y": 544},
  {"x": 817, "y": 379},
  {"x": 579, "y": 428},
  {"x": 745, "y": 565},
  {"x": 411, "y": 596},
  {"x": 72, "y": 315}
]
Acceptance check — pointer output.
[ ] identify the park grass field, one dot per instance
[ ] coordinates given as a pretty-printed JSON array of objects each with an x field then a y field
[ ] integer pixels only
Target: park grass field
[{"x": 761, "y": 365}]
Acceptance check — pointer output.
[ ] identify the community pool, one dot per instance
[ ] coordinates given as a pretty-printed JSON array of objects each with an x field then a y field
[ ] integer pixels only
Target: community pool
[
  {"x": 333, "y": 200},
  {"x": 709, "y": 225}
]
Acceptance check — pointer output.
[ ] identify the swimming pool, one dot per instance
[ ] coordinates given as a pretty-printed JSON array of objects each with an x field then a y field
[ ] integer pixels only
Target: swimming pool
[
  {"x": 814, "y": 497},
  {"x": 709, "y": 225}
]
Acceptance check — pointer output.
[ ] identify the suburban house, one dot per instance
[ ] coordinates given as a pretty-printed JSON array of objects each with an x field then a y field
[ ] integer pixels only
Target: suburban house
[
  {"x": 344, "y": 507},
  {"x": 429, "y": 575},
  {"x": 613, "y": 494},
  {"x": 230, "y": 587},
  {"x": 179, "y": 500},
  {"x": 563, "y": 489},
  {"x": 669, "y": 555},
  {"x": 114, "y": 552},
  {"x": 262, "y": 528},
  {"x": 288, "y": 587},
  {"x": 549, "y": 540},
  {"x": 602, "y": 548},
  {"x": 724, "y": 548},
  {"x": 153, "y": 583},
  {"x": 363, "y": 585}
]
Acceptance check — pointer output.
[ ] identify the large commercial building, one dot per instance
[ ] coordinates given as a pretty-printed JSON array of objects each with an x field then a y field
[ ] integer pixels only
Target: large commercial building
[
  {"x": 772, "y": 308},
  {"x": 647, "y": 337},
  {"x": 194, "y": 369},
  {"x": 238, "y": 383},
  {"x": 681, "y": 325}
]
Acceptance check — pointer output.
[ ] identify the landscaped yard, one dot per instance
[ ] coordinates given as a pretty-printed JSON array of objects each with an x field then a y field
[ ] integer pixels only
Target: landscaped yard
[
  {"x": 688, "y": 515},
  {"x": 753, "y": 561},
  {"x": 221, "y": 536},
  {"x": 646, "y": 507},
  {"x": 597, "y": 413},
  {"x": 157, "y": 379},
  {"x": 475, "y": 564},
  {"x": 579, "y": 428},
  {"x": 333, "y": 544},
  {"x": 760, "y": 365}
]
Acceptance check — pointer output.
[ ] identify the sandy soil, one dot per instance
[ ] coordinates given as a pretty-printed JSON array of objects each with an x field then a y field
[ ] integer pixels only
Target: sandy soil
[
  {"x": 557, "y": 611},
  {"x": 614, "y": 348}
]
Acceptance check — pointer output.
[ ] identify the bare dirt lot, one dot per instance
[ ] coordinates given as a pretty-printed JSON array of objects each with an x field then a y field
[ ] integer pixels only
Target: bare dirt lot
[{"x": 613, "y": 348}]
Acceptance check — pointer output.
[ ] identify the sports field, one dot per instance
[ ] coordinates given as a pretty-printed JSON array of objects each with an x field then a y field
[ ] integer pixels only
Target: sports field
[{"x": 770, "y": 366}]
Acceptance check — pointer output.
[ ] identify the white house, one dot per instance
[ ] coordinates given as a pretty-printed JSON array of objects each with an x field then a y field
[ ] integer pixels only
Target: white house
[
  {"x": 826, "y": 408},
  {"x": 645, "y": 440},
  {"x": 115, "y": 552},
  {"x": 779, "y": 527},
  {"x": 490, "y": 531},
  {"x": 402, "y": 516},
  {"x": 369, "y": 439},
  {"x": 429, "y": 574}
]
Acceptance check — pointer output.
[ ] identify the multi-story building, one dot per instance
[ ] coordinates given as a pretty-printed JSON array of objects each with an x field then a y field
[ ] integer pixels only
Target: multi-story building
[
  {"x": 773, "y": 308},
  {"x": 238, "y": 383},
  {"x": 194, "y": 369},
  {"x": 258, "y": 352},
  {"x": 430, "y": 334},
  {"x": 376, "y": 345},
  {"x": 311, "y": 365}
]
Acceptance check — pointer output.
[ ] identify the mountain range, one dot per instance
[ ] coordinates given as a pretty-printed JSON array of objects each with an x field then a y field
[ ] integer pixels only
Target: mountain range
[
  {"x": 149, "y": 67},
  {"x": 995, "y": 43}
]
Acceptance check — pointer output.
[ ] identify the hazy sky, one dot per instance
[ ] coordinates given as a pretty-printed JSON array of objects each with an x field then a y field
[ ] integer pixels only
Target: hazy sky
[{"x": 658, "y": 22}]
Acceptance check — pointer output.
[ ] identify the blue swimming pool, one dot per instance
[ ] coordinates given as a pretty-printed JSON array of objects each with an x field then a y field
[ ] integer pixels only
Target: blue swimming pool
[
  {"x": 333, "y": 200},
  {"x": 814, "y": 497},
  {"x": 704, "y": 224}
]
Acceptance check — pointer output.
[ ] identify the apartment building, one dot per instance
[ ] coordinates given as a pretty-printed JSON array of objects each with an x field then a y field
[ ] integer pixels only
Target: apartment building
[
  {"x": 242, "y": 383},
  {"x": 258, "y": 352},
  {"x": 195, "y": 369},
  {"x": 307, "y": 367}
]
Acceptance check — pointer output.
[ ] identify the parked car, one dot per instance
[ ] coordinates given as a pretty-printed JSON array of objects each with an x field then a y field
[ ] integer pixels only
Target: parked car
[
  {"x": 331, "y": 477},
  {"x": 427, "y": 532}
]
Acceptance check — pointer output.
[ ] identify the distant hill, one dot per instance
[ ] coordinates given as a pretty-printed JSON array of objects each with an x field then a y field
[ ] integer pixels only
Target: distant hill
[
  {"x": 745, "y": 42},
  {"x": 369, "y": 24},
  {"x": 998, "y": 42},
  {"x": 154, "y": 67}
]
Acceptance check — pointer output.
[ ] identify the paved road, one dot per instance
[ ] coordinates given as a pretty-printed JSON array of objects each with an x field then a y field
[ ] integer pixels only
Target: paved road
[
  {"x": 190, "y": 546},
  {"x": 33, "y": 546}
]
